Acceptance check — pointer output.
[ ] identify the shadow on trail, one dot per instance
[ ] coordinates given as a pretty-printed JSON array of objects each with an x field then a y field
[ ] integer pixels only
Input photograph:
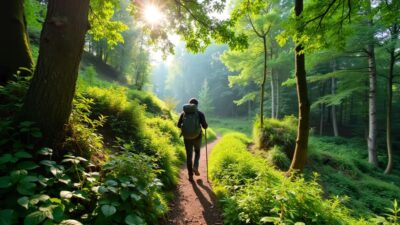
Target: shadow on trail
[{"x": 210, "y": 213}]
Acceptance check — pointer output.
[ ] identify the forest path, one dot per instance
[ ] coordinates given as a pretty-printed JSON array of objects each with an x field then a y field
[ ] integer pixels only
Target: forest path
[{"x": 194, "y": 203}]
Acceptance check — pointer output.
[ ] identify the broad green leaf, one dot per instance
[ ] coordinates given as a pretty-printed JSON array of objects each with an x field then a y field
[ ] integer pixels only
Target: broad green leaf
[
  {"x": 38, "y": 198},
  {"x": 5, "y": 182},
  {"x": 23, "y": 154},
  {"x": 6, "y": 158},
  {"x": 26, "y": 188},
  {"x": 135, "y": 197},
  {"x": 27, "y": 165},
  {"x": 70, "y": 222},
  {"x": 24, "y": 201},
  {"x": 112, "y": 183},
  {"x": 108, "y": 210},
  {"x": 28, "y": 179},
  {"x": 133, "y": 219},
  {"x": 48, "y": 163},
  {"x": 6, "y": 216},
  {"x": 45, "y": 151},
  {"x": 35, "y": 218},
  {"x": 16, "y": 175},
  {"x": 66, "y": 194}
]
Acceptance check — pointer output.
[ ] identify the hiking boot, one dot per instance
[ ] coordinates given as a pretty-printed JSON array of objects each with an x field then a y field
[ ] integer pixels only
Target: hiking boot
[
  {"x": 191, "y": 179},
  {"x": 196, "y": 172}
]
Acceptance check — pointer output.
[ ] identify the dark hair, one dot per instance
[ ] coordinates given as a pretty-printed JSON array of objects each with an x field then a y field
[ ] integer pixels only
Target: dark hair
[{"x": 193, "y": 101}]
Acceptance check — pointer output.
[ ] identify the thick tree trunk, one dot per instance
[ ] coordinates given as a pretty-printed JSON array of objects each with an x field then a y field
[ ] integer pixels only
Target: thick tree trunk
[
  {"x": 333, "y": 109},
  {"x": 14, "y": 42},
  {"x": 263, "y": 83},
  {"x": 48, "y": 102},
  {"x": 372, "y": 126},
  {"x": 300, "y": 152}
]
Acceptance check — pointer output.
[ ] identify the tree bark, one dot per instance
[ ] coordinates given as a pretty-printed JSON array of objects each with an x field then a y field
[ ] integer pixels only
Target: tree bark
[
  {"x": 300, "y": 152},
  {"x": 372, "y": 131},
  {"x": 272, "y": 84},
  {"x": 263, "y": 83},
  {"x": 48, "y": 102},
  {"x": 389, "y": 114},
  {"x": 322, "y": 110},
  {"x": 389, "y": 111},
  {"x": 277, "y": 96},
  {"x": 15, "y": 50}
]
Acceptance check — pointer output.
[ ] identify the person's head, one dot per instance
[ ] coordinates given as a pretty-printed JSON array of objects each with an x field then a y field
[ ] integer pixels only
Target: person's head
[{"x": 194, "y": 101}]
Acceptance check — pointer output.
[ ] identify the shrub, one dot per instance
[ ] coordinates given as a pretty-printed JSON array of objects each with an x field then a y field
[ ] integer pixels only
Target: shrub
[
  {"x": 152, "y": 104},
  {"x": 253, "y": 193},
  {"x": 278, "y": 158},
  {"x": 276, "y": 132}
]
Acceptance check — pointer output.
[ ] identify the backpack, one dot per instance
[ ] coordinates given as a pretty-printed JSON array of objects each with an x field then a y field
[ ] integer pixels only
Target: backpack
[{"x": 190, "y": 122}]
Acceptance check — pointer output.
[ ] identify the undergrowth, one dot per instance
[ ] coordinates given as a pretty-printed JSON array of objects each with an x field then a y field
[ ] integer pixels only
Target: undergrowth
[{"x": 251, "y": 191}]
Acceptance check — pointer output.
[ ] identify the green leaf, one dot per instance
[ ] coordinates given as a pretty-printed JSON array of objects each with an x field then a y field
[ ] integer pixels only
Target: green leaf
[
  {"x": 38, "y": 198},
  {"x": 6, "y": 158},
  {"x": 6, "y": 216},
  {"x": 66, "y": 194},
  {"x": 26, "y": 188},
  {"x": 135, "y": 197},
  {"x": 23, "y": 155},
  {"x": 35, "y": 218},
  {"x": 70, "y": 222},
  {"x": 24, "y": 201},
  {"x": 28, "y": 179},
  {"x": 112, "y": 183},
  {"x": 45, "y": 151},
  {"x": 48, "y": 163},
  {"x": 16, "y": 175},
  {"x": 27, "y": 165},
  {"x": 133, "y": 219},
  {"x": 56, "y": 170},
  {"x": 36, "y": 134},
  {"x": 5, "y": 182},
  {"x": 124, "y": 194},
  {"x": 108, "y": 210}
]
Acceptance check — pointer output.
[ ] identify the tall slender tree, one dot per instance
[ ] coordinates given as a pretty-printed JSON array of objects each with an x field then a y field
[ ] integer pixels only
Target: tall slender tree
[{"x": 300, "y": 151}]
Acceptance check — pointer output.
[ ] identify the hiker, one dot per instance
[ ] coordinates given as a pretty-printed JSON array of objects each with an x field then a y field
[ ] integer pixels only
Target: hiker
[{"x": 189, "y": 123}]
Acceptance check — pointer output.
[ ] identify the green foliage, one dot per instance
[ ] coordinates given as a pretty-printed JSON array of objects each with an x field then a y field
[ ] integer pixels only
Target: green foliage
[
  {"x": 278, "y": 158},
  {"x": 130, "y": 193},
  {"x": 252, "y": 192},
  {"x": 224, "y": 125},
  {"x": 206, "y": 99},
  {"x": 152, "y": 104},
  {"x": 124, "y": 118},
  {"x": 345, "y": 171},
  {"x": 276, "y": 132},
  {"x": 211, "y": 135}
]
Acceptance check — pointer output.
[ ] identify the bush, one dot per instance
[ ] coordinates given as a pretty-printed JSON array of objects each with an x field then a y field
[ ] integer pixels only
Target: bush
[
  {"x": 125, "y": 119},
  {"x": 152, "y": 104},
  {"x": 278, "y": 158},
  {"x": 253, "y": 193},
  {"x": 276, "y": 132}
]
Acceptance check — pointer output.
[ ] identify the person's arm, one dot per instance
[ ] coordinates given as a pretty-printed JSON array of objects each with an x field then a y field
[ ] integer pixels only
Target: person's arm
[
  {"x": 203, "y": 121},
  {"x": 179, "y": 125}
]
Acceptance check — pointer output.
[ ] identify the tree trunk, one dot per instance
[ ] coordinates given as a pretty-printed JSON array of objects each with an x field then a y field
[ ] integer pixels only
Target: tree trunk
[
  {"x": 277, "y": 96},
  {"x": 389, "y": 113},
  {"x": 263, "y": 83},
  {"x": 48, "y": 102},
  {"x": 372, "y": 155},
  {"x": 300, "y": 152},
  {"x": 333, "y": 109},
  {"x": 15, "y": 50},
  {"x": 322, "y": 110},
  {"x": 272, "y": 96}
]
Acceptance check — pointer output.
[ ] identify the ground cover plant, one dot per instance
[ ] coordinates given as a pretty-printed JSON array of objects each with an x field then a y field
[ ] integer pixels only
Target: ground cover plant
[{"x": 251, "y": 191}]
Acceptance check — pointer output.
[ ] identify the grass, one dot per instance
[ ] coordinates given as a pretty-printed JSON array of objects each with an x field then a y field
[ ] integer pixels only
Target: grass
[
  {"x": 224, "y": 125},
  {"x": 253, "y": 192}
]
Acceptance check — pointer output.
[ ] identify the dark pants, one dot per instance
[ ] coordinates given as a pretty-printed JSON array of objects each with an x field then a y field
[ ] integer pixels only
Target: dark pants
[{"x": 191, "y": 145}]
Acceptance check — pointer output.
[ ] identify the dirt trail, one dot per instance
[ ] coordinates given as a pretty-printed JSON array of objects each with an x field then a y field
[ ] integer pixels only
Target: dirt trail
[{"x": 194, "y": 202}]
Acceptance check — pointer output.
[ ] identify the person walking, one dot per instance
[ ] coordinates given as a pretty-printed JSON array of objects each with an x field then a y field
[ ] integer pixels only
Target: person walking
[{"x": 190, "y": 122}]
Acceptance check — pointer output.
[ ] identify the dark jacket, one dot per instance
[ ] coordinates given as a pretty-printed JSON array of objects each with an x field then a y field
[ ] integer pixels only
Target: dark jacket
[{"x": 202, "y": 120}]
